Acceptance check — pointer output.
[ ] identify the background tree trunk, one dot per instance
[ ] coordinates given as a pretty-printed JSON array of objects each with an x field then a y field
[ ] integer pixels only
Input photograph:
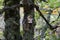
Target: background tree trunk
[
  {"x": 28, "y": 21},
  {"x": 12, "y": 17}
]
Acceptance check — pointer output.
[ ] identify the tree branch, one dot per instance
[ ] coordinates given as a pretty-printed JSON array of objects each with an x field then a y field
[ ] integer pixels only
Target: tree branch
[
  {"x": 50, "y": 26},
  {"x": 10, "y": 7}
]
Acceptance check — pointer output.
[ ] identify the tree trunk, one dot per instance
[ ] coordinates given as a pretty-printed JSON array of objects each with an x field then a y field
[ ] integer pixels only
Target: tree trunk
[
  {"x": 12, "y": 16},
  {"x": 28, "y": 21}
]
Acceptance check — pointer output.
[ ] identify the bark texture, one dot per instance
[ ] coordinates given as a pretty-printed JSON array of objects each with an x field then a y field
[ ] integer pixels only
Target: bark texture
[
  {"x": 28, "y": 21},
  {"x": 12, "y": 16}
]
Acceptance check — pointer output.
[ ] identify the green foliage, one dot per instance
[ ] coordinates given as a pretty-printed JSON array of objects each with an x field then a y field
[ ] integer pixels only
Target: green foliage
[
  {"x": 36, "y": 15},
  {"x": 50, "y": 35},
  {"x": 54, "y": 3},
  {"x": 51, "y": 3},
  {"x": 1, "y": 4}
]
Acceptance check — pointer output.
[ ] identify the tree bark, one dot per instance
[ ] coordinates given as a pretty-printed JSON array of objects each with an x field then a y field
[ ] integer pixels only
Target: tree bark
[
  {"x": 28, "y": 21},
  {"x": 12, "y": 16}
]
